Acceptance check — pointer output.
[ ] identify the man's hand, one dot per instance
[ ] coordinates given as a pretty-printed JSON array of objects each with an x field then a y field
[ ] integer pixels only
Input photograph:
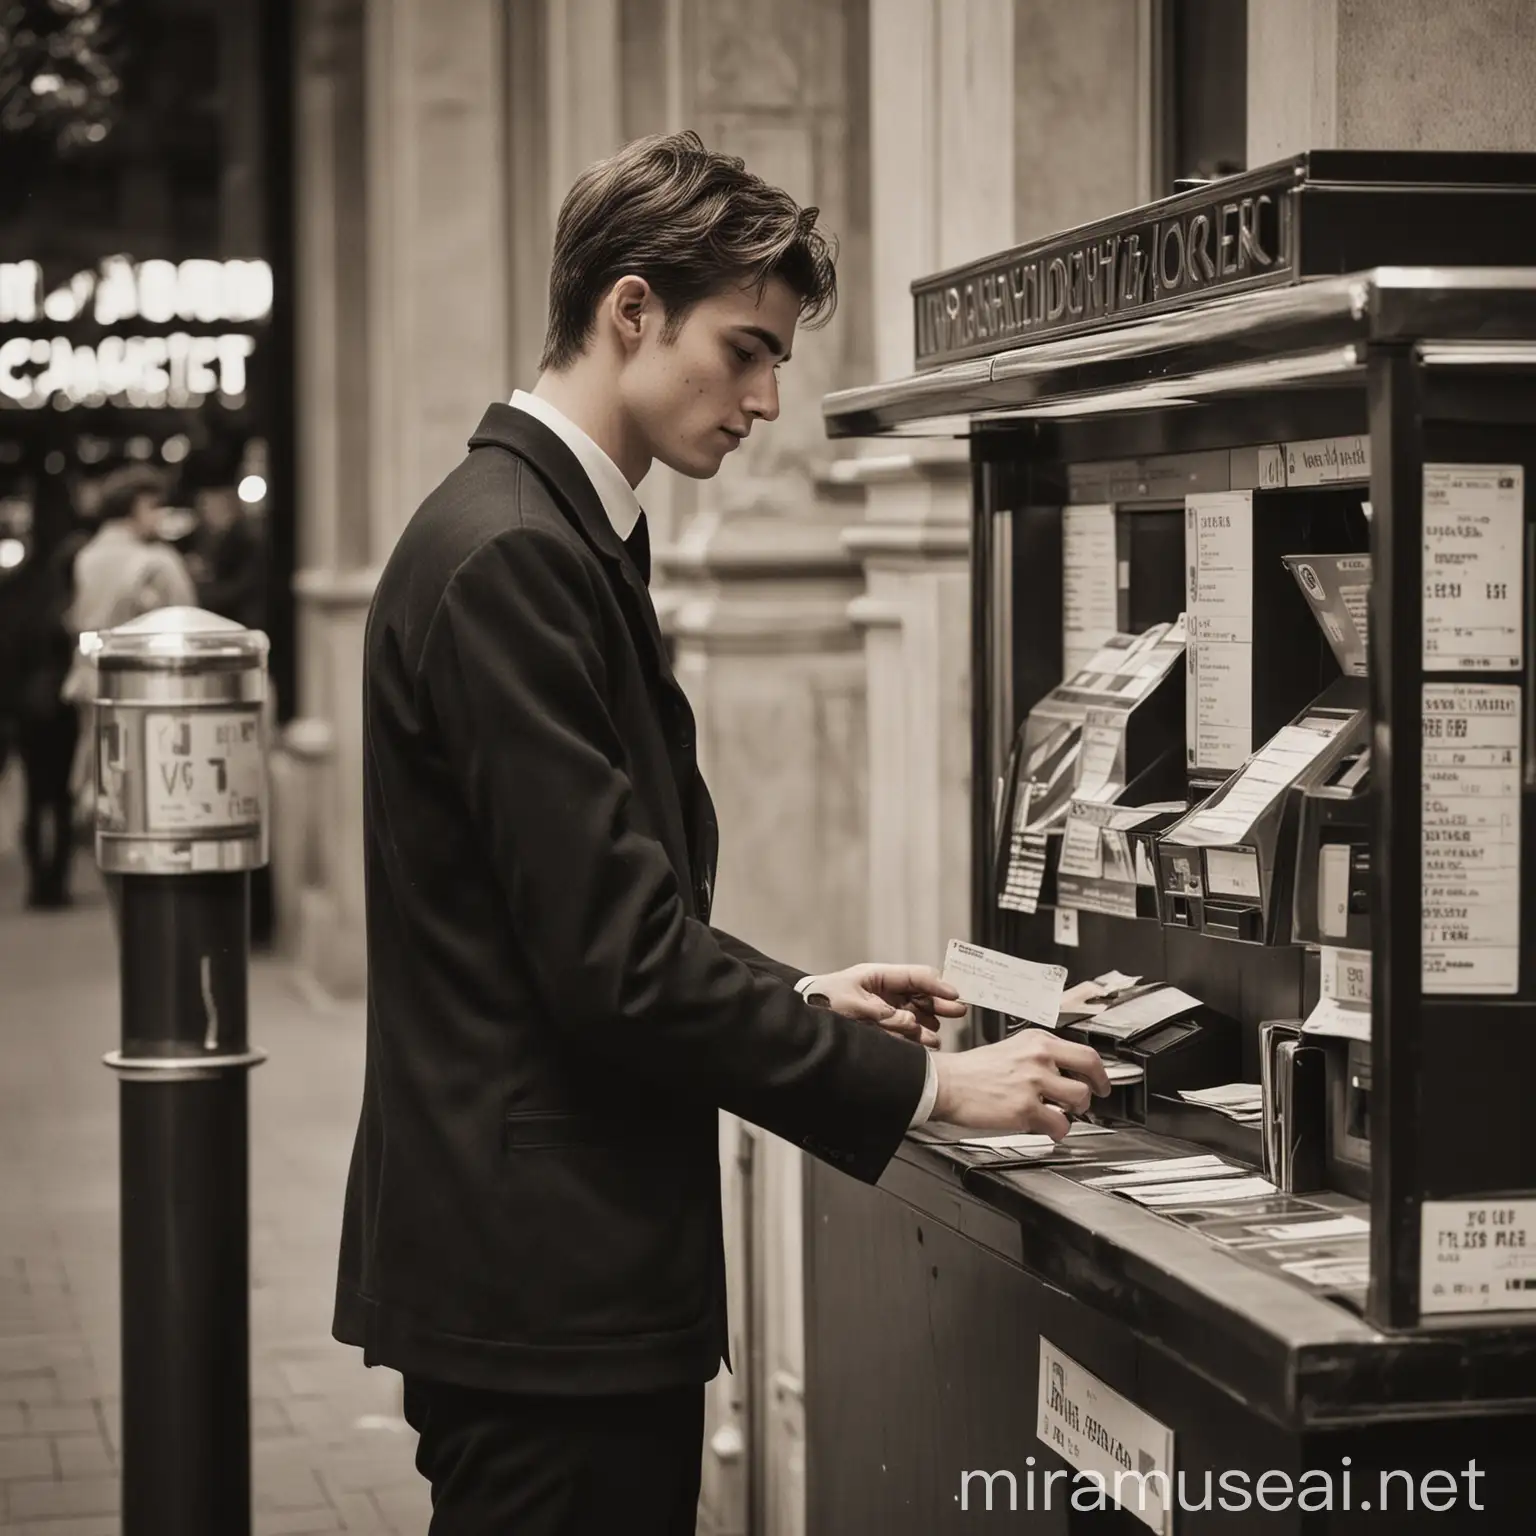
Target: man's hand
[
  {"x": 1019, "y": 1083},
  {"x": 907, "y": 1000}
]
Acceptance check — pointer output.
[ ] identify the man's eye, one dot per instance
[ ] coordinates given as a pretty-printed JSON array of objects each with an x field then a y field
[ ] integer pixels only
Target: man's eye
[{"x": 742, "y": 353}]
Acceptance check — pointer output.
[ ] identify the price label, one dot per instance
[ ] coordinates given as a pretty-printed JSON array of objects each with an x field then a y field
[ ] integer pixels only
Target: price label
[
  {"x": 1346, "y": 975},
  {"x": 1218, "y": 569},
  {"x": 1095, "y": 1429},
  {"x": 1474, "y": 521},
  {"x": 204, "y": 771},
  {"x": 1327, "y": 460},
  {"x": 1470, "y": 838},
  {"x": 1089, "y": 604},
  {"x": 1477, "y": 1256}
]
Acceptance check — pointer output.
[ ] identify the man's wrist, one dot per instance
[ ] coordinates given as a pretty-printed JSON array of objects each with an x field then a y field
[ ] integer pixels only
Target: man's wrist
[
  {"x": 943, "y": 1067},
  {"x": 929, "y": 1097}
]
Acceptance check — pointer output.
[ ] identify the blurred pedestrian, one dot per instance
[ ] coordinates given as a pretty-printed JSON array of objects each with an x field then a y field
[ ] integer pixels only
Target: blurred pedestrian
[
  {"x": 123, "y": 571},
  {"x": 227, "y": 561},
  {"x": 47, "y": 725}
]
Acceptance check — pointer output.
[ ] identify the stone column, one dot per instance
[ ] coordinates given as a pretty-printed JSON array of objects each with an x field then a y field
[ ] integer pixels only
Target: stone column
[
  {"x": 404, "y": 339},
  {"x": 1389, "y": 74},
  {"x": 316, "y": 773},
  {"x": 437, "y": 206}
]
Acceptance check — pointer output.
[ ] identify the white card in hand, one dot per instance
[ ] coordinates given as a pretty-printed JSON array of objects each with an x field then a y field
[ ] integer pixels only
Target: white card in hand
[{"x": 1023, "y": 989}]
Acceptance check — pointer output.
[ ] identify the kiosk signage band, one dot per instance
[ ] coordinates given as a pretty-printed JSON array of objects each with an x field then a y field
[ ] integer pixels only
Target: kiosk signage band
[{"x": 1181, "y": 250}]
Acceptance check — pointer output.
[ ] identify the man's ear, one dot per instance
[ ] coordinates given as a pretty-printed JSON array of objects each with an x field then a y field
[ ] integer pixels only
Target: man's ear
[{"x": 629, "y": 306}]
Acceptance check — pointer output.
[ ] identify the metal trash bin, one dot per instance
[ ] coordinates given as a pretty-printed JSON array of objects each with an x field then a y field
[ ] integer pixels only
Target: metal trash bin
[
  {"x": 181, "y": 755},
  {"x": 181, "y": 821}
]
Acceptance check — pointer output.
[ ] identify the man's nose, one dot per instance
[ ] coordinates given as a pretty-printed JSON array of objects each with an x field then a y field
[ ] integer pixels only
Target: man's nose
[{"x": 763, "y": 402}]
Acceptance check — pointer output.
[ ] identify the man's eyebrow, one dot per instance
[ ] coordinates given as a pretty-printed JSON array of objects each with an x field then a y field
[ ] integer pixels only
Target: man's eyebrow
[{"x": 768, "y": 339}]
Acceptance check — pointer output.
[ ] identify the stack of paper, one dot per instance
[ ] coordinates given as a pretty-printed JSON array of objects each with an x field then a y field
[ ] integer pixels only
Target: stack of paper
[
  {"x": 1198, "y": 1191},
  {"x": 1168, "y": 1182},
  {"x": 1163, "y": 1170},
  {"x": 1144, "y": 1009},
  {"x": 1028, "y": 1141},
  {"x": 1243, "y": 1102}
]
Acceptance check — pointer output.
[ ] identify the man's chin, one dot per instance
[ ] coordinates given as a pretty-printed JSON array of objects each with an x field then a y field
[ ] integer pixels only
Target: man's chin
[{"x": 697, "y": 466}]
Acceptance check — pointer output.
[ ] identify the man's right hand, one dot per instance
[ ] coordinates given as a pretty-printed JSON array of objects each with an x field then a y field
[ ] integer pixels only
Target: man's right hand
[{"x": 1018, "y": 1083}]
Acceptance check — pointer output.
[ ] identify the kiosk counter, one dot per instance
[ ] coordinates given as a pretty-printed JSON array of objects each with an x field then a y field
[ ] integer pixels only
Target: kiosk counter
[{"x": 1253, "y": 562}]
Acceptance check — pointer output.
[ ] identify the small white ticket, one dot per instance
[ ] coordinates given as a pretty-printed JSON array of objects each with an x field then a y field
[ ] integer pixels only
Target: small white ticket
[{"x": 1023, "y": 989}]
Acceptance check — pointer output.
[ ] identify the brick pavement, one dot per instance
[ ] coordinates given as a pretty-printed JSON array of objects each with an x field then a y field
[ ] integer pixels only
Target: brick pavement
[{"x": 330, "y": 1452}]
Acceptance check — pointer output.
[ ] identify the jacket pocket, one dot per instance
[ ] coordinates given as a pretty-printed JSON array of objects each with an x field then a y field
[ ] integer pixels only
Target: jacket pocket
[{"x": 610, "y": 1230}]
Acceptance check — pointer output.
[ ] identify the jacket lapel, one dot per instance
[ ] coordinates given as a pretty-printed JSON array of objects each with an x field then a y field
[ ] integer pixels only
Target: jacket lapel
[{"x": 504, "y": 426}]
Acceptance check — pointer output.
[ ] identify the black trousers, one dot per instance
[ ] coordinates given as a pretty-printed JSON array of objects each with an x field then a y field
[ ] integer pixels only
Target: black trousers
[
  {"x": 507, "y": 1465},
  {"x": 47, "y": 746}
]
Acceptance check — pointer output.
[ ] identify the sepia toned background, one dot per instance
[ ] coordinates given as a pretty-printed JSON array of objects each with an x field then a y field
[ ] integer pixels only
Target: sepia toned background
[{"x": 399, "y": 165}]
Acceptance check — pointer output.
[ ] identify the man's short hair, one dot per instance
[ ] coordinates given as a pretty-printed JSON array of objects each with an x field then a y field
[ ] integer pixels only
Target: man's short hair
[
  {"x": 691, "y": 222},
  {"x": 121, "y": 490}
]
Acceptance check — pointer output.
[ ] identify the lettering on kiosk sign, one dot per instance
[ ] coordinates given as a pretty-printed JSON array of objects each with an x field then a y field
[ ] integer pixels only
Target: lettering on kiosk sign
[
  {"x": 178, "y": 369},
  {"x": 1196, "y": 245}
]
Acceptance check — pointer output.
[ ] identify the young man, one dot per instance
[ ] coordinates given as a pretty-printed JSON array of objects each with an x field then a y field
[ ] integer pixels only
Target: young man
[{"x": 532, "y": 1231}]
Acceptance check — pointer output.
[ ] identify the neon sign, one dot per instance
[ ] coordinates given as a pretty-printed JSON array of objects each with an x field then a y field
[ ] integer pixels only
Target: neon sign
[
  {"x": 178, "y": 370},
  {"x": 207, "y": 292}
]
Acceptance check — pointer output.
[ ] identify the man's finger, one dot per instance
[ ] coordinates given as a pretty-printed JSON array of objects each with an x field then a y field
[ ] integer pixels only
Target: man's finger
[
  {"x": 1083, "y": 1061},
  {"x": 903, "y": 1022},
  {"x": 912, "y": 981},
  {"x": 1070, "y": 1092},
  {"x": 949, "y": 1008},
  {"x": 1051, "y": 1121}
]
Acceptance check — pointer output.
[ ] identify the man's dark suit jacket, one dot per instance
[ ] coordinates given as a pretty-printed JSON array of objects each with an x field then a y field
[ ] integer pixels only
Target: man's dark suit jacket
[{"x": 534, "y": 1198}]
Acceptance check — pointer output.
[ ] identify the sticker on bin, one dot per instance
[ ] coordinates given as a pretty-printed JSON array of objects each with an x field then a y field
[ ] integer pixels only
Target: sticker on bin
[{"x": 203, "y": 771}]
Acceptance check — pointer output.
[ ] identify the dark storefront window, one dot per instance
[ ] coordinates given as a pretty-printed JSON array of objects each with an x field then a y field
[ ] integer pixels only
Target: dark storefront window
[
  {"x": 142, "y": 281},
  {"x": 1205, "y": 54},
  {"x": 145, "y": 303}
]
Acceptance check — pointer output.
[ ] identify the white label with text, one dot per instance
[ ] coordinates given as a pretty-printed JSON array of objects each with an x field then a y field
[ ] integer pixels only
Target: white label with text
[
  {"x": 1089, "y": 597},
  {"x": 1470, "y": 833},
  {"x": 1474, "y": 529},
  {"x": 1218, "y": 560},
  {"x": 1093, "y": 1428},
  {"x": 1327, "y": 460},
  {"x": 1477, "y": 1256}
]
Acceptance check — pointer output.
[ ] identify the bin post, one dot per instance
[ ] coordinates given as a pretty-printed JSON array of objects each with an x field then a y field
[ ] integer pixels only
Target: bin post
[{"x": 181, "y": 820}]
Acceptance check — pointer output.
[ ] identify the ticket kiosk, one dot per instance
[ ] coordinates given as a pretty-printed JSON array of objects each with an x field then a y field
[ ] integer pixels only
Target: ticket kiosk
[{"x": 1287, "y": 1281}]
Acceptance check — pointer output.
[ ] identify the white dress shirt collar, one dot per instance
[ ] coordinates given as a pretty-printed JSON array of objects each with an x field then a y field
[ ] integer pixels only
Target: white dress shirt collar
[{"x": 613, "y": 490}]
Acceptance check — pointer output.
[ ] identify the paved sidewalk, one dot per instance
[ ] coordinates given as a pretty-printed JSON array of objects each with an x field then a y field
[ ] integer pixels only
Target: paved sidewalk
[{"x": 331, "y": 1452}]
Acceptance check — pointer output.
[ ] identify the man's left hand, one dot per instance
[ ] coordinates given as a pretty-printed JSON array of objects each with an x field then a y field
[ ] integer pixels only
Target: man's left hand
[{"x": 907, "y": 1000}]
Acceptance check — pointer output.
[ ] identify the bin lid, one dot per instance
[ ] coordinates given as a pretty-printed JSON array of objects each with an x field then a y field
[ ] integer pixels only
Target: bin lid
[{"x": 176, "y": 636}]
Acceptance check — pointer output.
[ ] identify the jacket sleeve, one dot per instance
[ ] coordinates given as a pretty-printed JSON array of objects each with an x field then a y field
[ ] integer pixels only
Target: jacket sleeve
[
  {"x": 514, "y": 677},
  {"x": 755, "y": 958}
]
